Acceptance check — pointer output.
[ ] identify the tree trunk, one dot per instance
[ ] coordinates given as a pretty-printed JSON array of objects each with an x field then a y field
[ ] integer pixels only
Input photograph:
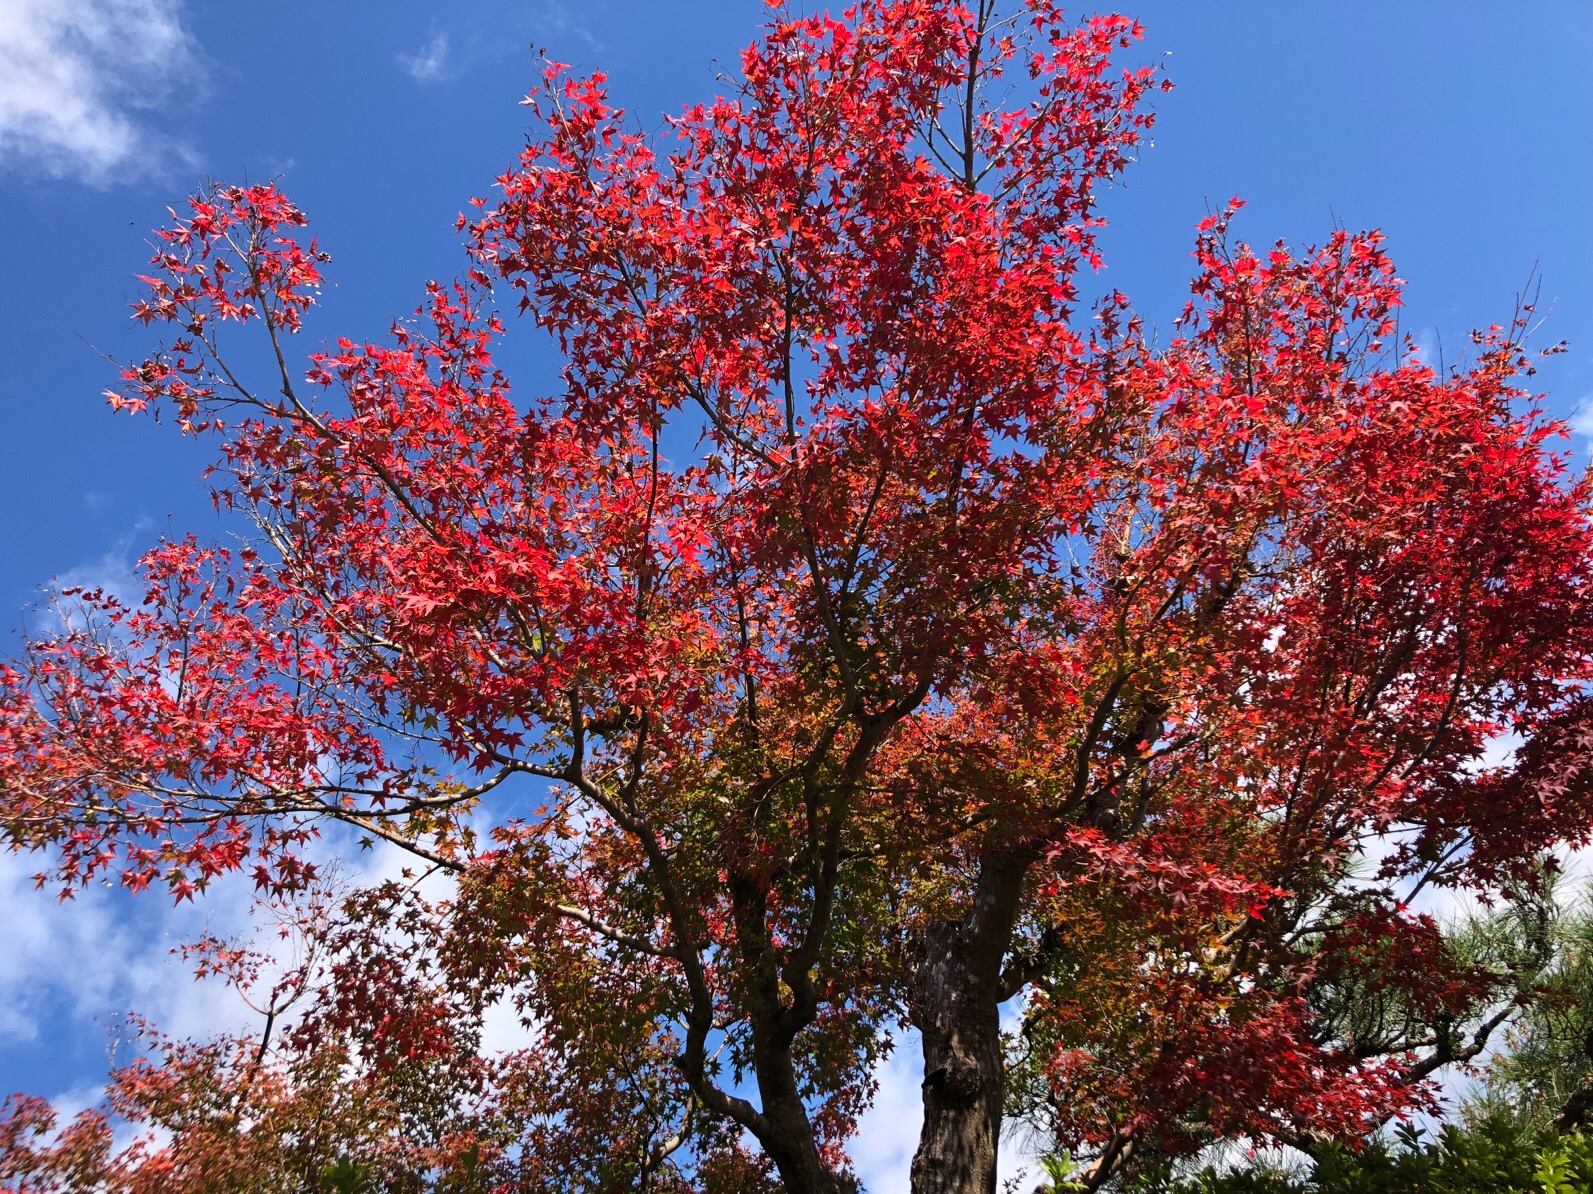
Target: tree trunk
[
  {"x": 964, "y": 1080},
  {"x": 789, "y": 1141},
  {"x": 952, "y": 1001}
]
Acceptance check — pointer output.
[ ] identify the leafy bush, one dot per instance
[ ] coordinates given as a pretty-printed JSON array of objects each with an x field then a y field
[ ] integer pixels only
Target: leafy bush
[{"x": 1484, "y": 1159}]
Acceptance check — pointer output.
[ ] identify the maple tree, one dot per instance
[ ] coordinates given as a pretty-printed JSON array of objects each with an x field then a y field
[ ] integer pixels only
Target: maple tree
[{"x": 864, "y": 634}]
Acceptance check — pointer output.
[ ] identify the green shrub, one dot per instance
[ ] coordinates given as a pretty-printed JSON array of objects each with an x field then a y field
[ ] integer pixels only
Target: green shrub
[{"x": 1483, "y": 1159}]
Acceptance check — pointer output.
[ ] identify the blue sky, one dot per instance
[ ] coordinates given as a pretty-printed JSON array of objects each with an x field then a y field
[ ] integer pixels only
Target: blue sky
[{"x": 1464, "y": 130}]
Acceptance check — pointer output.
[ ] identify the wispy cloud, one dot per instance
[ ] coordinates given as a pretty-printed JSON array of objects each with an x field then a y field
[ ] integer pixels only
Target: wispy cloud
[
  {"x": 80, "y": 81},
  {"x": 114, "y": 574},
  {"x": 887, "y": 1134},
  {"x": 1428, "y": 348},
  {"x": 84, "y": 964},
  {"x": 1582, "y": 417},
  {"x": 97, "y": 957},
  {"x": 554, "y": 16},
  {"x": 431, "y": 63}
]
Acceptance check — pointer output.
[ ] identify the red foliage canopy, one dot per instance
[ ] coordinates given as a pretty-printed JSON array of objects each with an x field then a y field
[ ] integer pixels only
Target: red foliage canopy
[{"x": 876, "y": 636}]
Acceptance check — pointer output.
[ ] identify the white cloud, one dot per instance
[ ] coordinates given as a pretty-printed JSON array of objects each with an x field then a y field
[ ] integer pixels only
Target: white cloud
[
  {"x": 431, "y": 63},
  {"x": 115, "y": 573},
  {"x": 79, "y": 76},
  {"x": 1428, "y": 348},
  {"x": 1582, "y": 417},
  {"x": 98, "y": 957},
  {"x": 887, "y": 1134},
  {"x": 555, "y": 17},
  {"x": 89, "y": 961}
]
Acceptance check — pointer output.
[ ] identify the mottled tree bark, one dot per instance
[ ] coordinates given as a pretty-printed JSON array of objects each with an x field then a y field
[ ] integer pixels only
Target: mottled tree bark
[{"x": 953, "y": 1000}]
